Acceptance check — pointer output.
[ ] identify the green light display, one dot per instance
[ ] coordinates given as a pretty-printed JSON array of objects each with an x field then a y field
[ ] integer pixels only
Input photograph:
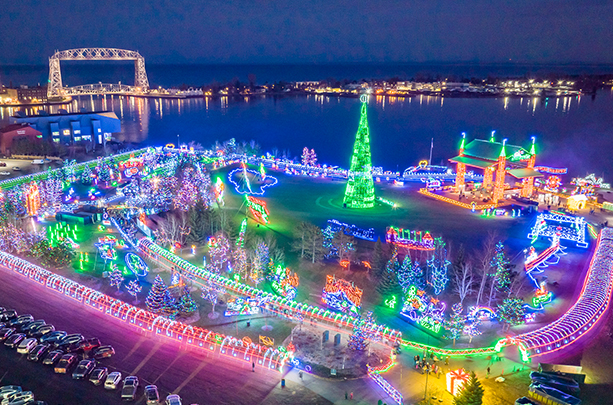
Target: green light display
[{"x": 360, "y": 191}]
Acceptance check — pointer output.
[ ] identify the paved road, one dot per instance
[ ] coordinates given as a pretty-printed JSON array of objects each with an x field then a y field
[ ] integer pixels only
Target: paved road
[{"x": 197, "y": 376}]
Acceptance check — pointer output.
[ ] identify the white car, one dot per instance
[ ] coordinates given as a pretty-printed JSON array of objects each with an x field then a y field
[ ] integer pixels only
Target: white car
[
  {"x": 8, "y": 390},
  {"x": 26, "y": 345},
  {"x": 5, "y": 173},
  {"x": 112, "y": 380},
  {"x": 173, "y": 399},
  {"x": 24, "y": 397}
]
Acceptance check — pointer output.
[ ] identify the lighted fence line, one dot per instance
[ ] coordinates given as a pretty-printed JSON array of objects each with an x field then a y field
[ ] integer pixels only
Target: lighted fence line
[
  {"x": 373, "y": 373},
  {"x": 268, "y": 357},
  {"x": 583, "y": 315},
  {"x": 476, "y": 207},
  {"x": 10, "y": 183},
  {"x": 282, "y": 305}
]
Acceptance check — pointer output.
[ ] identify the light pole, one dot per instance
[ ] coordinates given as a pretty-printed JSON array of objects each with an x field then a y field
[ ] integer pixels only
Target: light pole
[{"x": 178, "y": 141}]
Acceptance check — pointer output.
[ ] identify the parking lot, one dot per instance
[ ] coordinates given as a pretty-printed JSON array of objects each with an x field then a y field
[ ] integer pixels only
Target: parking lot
[{"x": 198, "y": 377}]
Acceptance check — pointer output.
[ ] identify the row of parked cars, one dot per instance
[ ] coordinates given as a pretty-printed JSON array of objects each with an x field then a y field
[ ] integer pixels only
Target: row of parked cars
[
  {"x": 67, "y": 353},
  {"x": 15, "y": 395},
  {"x": 551, "y": 388}
]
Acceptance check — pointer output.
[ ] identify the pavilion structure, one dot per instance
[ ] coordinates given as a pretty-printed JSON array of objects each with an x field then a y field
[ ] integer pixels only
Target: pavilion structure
[{"x": 499, "y": 158}]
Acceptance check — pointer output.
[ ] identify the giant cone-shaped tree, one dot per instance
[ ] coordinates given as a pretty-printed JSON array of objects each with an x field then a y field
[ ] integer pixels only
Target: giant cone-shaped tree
[{"x": 360, "y": 191}]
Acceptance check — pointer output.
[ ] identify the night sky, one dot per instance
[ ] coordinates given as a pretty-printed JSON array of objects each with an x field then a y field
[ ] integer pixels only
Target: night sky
[{"x": 313, "y": 31}]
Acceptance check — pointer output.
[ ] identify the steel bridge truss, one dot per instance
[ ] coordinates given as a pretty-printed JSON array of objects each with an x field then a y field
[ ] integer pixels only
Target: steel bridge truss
[{"x": 141, "y": 83}]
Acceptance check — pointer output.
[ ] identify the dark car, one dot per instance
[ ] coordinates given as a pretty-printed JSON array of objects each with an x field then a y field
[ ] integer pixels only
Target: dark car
[
  {"x": 98, "y": 376},
  {"x": 66, "y": 363},
  {"x": 39, "y": 352},
  {"x": 83, "y": 370},
  {"x": 53, "y": 337},
  {"x": 7, "y": 315},
  {"x": 41, "y": 331},
  {"x": 53, "y": 357},
  {"x": 5, "y": 333},
  {"x": 20, "y": 320},
  {"x": 70, "y": 339},
  {"x": 2, "y": 164},
  {"x": 14, "y": 340},
  {"x": 102, "y": 352},
  {"x": 26, "y": 328},
  {"x": 524, "y": 401},
  {"x": 69, "y": 347},
  {"x": 152, "y": 396},
  {"x": 89, "y": 344}
]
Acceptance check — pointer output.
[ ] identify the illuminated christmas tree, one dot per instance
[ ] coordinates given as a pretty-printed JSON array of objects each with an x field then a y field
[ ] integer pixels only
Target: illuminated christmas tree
[
  {"x": 360, "y": 191},
  {"x": 455, "y": 325},
  {"x": 500, "y": 264},
  {"x": 134, "y": 288},
  {"x": 86, "y": 175},
  {"x": 187, "y": 305},
  {"x": 155, "y": 298}
]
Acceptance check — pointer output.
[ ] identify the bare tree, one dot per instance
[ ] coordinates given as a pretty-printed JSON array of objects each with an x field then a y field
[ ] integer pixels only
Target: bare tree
[
  {"x": 174, "y": 229},
  {"x": 463, "y": 279},
  {"x": 485, "y": 262},
  {"x": 315, "y": 240},
  {"x": 300, "y": 238}
]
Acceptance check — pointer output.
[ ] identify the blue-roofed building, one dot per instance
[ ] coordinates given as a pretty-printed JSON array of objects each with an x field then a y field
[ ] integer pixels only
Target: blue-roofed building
[{"x": 73, "y": 128}]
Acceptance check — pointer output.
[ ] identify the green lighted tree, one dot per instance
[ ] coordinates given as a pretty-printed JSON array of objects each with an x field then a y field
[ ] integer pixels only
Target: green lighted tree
[
  {"x": 360, "y": 191},
  {"x": 388, "y": 284},
  {"x": 511, "y": 312},
  {"x": 471, "y": 394},
  {"x": 187, "y": 305}
]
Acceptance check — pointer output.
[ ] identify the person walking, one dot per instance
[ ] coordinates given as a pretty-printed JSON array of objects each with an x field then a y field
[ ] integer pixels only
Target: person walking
[
  {"x": 488, "y": 371},
  {"x": 253, "y": 367}
]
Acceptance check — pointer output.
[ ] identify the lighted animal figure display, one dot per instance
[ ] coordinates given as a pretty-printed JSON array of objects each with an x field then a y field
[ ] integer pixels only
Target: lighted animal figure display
[
  {"x": 416, "y": 240},
  {"x": 285, "y": 283},
  {"x": 341, "y": 295},
  {"x": 424, "y": 310}
]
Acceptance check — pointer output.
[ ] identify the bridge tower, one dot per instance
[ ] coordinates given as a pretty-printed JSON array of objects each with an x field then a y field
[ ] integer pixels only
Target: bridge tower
[{"x": 55, "y": 75}]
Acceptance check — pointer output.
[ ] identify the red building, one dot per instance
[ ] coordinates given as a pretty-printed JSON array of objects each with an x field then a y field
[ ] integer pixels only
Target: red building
[{"x": 8, "y": 133}]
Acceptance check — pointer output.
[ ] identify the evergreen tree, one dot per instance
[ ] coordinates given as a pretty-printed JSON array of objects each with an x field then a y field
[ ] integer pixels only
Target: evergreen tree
[
  {"x": 155, "y": 299},
  {"x": 455, "y": 324},
  {"x": 86, "y": 175},
  {"x": 388, "y": 284},
  {"x": 500, "y": 263},
  {"x": 171, "y": 308},
  {"x": 471, "y": 394},
  {"x": 377, "y": 261},
  {"x": 198, "y": 218},
  {"x": 511, "y": 312},
  {"x": 187, "y": 305},
  {"x": 358, "y": 339}
]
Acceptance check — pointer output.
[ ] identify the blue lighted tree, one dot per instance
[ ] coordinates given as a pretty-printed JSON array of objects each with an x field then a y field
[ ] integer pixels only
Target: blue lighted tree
[{"x": 437, "y": 266}]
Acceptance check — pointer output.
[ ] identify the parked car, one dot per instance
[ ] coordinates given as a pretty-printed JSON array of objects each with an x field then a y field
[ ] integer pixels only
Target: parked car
[
  {"x": 2, "y": 164},
  {"x": 102, "y": 352},
  {"x": 21, "y": 319},
  {"x": 5, "y": 173},
  {"x": 7, "y": 315},
  {"x": 7, "y": 390},
  {"x": 89, "y": 344},
  {"x": 14, "y": 340},
  {"x": 18, "y": 398},
  {"x": 53, "y": 337},
  {"x": 5, "y": 333},
  {"x": 72, "y": 338},
  {"x": 112, "y": 380},
  {"x": 39, "y": 352},
  {"x": 66, "y": 363},
  {"x": 69, "y": 347},
  {"x": 173, "y": 399},
  {"x": 130, "y": 386},
  {"x": 98, "y": 376},
  {"x": 41, "y": 331},
  {"x": 26, "y": 345},
  {"x": 152, "y": 395},
  {"x": 83, "y": 370},
  {"x": 26, "y": 328},
  {"x": 16, "y": 168},
  {"x": 53, "y": 357}
]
